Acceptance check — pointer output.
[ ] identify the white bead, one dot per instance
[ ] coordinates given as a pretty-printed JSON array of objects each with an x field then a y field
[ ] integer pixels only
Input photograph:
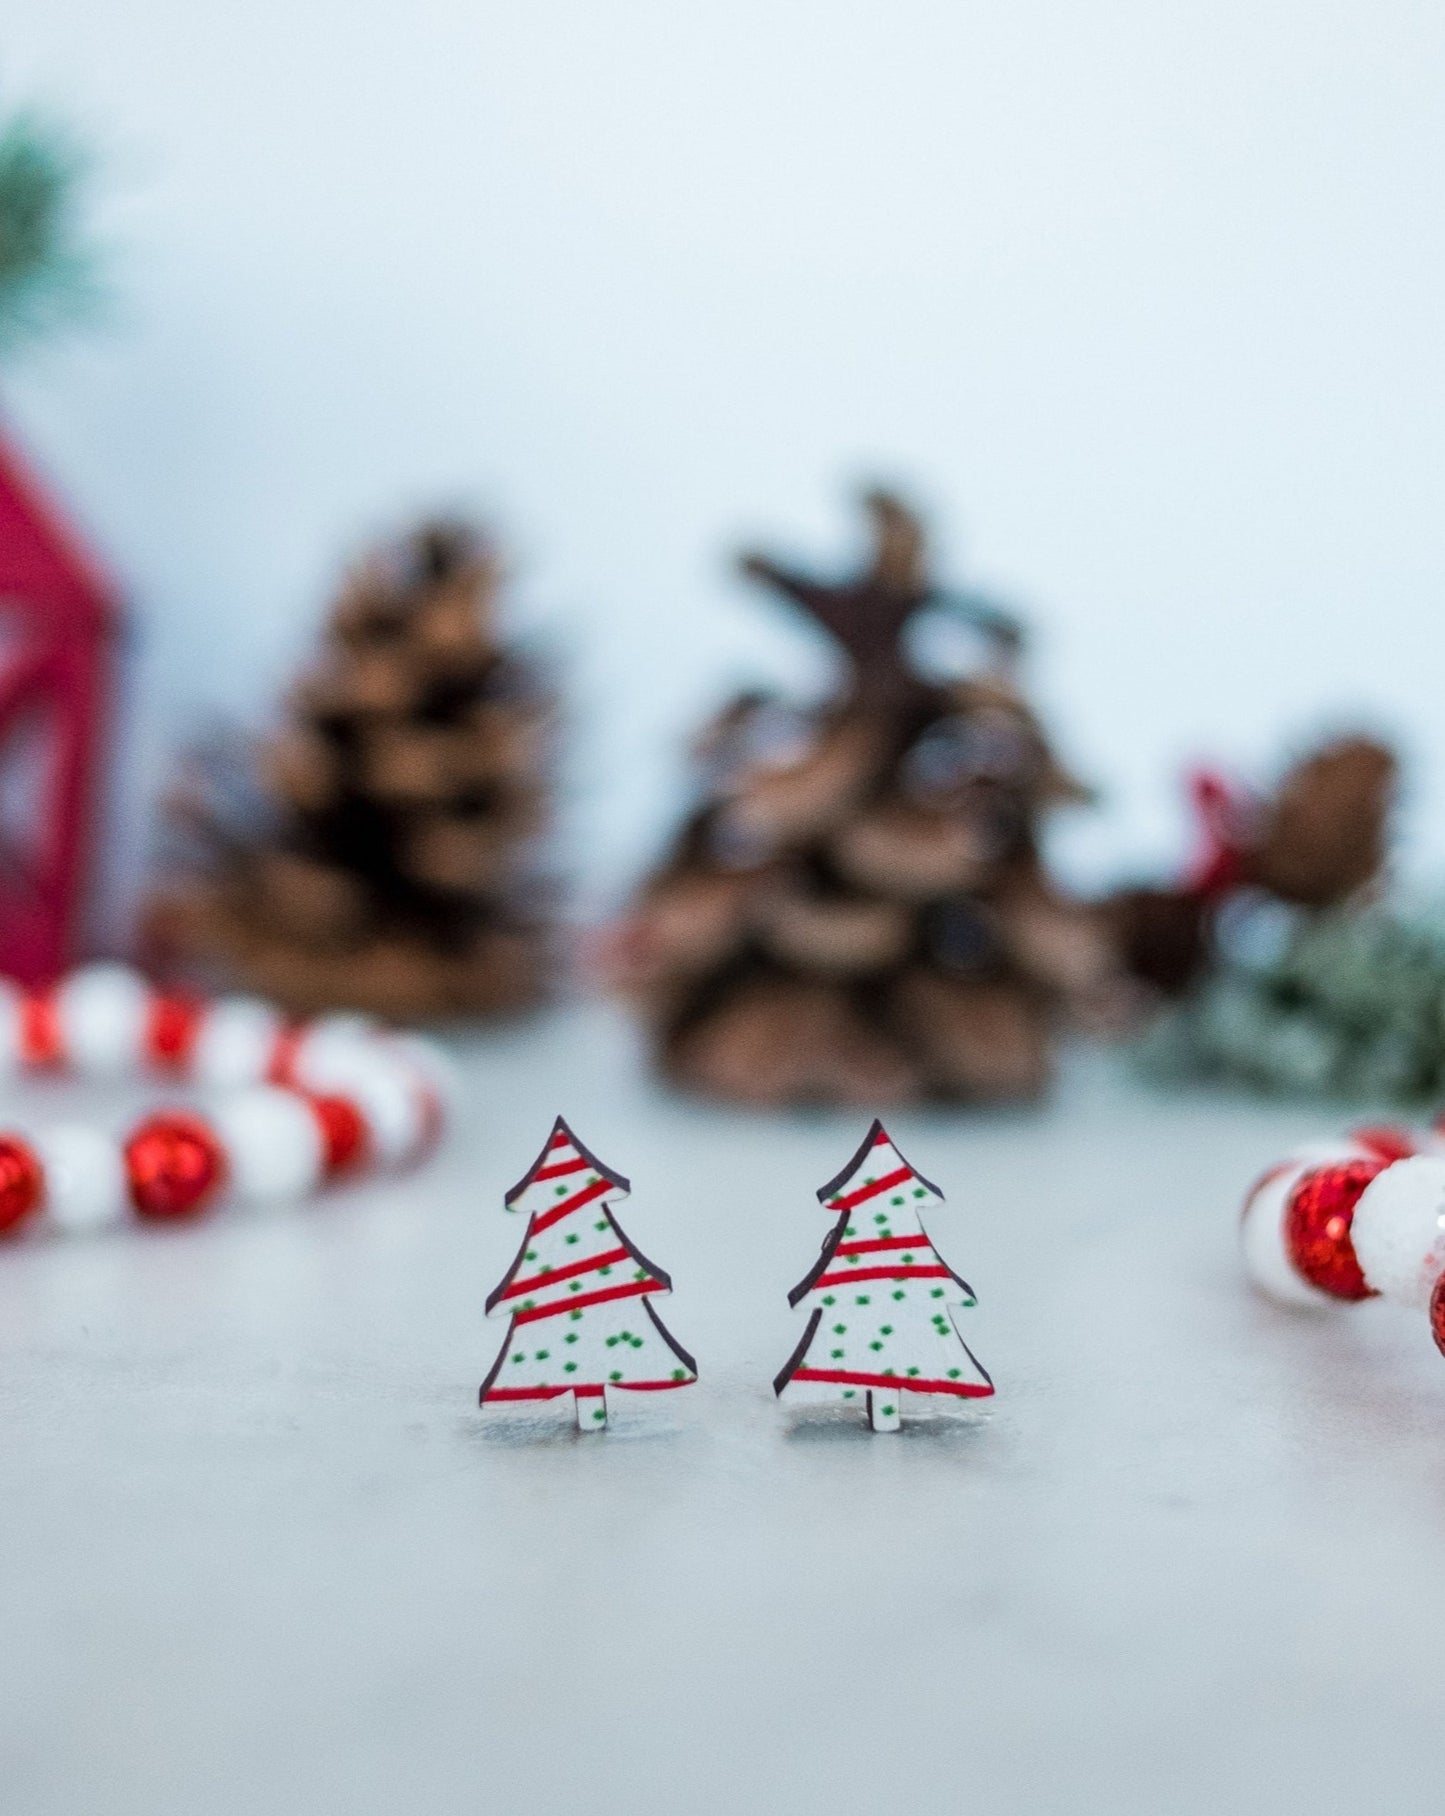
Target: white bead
[
  {"x": 10, "y": 999},
  {"x": 345, "y": 1026},
  {"x": 102, "y": 1011},
  {"x": 272, "y": 1142},
  {"x": 332, "y": 1043},
  {"x": 436, "y": 1068},
  {"x": 394, "y": 1109},
  {"x": 1261, "y": 1236},
  {"x": 85, "y": 1180},
  {"x": 381, "y": 1084},
  {"x": 387, "y": 1097},
  {"x": 1398, "y": 1230},
  {"x": 1261, "y": 1230},
  {"x": 236, "y": 1041}
]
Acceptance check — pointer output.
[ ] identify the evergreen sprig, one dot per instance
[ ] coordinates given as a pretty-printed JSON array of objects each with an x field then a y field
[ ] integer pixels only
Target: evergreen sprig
[
  {"x": 1349, "y": 1004},
  {"x": 46, "y": 267}
]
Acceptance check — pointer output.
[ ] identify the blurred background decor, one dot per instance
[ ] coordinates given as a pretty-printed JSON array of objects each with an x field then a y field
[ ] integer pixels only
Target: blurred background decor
[
  {"x": 1318, "y": 841},
  {"x": 379, "y": 851},
  {"x": 285, "y": 1108},
  {"x": 1285, "y": 961},
  {"x": 857, "y": 911},
  {"x": 47, "y": 268},
  {"x": 1347, "y": 1004},
  {"x": 1156, "y": 290},
  {"x": 1184, "y": 391},
  {"x": 58, "y": 613}
]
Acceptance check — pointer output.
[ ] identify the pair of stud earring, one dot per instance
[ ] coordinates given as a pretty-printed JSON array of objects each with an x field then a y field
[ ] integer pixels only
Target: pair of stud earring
[{"x": 880, "y": 1301}]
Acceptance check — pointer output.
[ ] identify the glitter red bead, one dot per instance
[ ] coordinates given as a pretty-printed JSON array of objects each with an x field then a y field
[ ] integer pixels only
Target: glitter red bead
[
  {"x": 174, "y": 1165},
  {"x": 1317, "y": 1227},
  {"x": 22, "y": 1183},
  {"x": 291, "y": 1105},
  {"x": 1437, "y": 1314},
  {"x": 345, "y": 1138}
]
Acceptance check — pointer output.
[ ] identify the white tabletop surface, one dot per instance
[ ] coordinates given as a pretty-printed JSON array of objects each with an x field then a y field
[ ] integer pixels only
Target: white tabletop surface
[{"x": 261, "y": 1552}]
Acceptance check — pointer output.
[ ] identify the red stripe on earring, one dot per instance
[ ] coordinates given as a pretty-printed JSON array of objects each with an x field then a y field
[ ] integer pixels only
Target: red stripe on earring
[
  {"x": 583, "y": 1300},
  {"x": 545, "y": 1219},
  {"x": 912, "y": 1384},
  {"x": 535, "y": 1282},
  {"x": 852, "y": 1274},
  {"x": 865, "y": 1192}
]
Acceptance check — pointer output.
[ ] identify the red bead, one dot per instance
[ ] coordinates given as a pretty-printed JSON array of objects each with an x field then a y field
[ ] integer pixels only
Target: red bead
[
  {"x": 1437, "y": 1314},
  {"x": 1387, "y": 1143},
  {"x": 172, "y": 1024},
  {"x": 22, "y": 1182},
  {"x": 1317, "y": 1223},
  {"x": 282, "y": 1067},
  {"x": 42, "y": 1041},
  {"x": 433, "y": 1117},
  {"x": 345, "y": 1138},
  {"x": 175, "y": 1166}
]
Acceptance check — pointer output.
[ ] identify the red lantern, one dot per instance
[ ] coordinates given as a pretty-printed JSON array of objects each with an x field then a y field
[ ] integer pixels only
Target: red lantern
[{"x": 58, "y": 620}]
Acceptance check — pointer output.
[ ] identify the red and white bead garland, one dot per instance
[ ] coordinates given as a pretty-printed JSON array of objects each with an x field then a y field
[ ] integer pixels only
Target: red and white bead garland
[
  {"x": 289, "y": 1106},
  {"x": 1353, "y": 1219}
]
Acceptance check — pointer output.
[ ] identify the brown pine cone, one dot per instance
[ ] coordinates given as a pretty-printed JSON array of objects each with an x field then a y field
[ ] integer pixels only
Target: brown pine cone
[
  {"x": 1323, "y": 836},
  {"x": 983, "y": 1042},
  {"x": 777, "y": 1042}
]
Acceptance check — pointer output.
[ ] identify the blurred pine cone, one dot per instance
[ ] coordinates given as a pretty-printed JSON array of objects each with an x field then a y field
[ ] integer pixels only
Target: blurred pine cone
[{"x": 379, "y": 851}]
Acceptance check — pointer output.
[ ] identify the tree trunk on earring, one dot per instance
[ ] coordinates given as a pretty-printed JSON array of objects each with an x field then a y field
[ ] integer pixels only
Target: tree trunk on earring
[
  {"x": 883, "y": 1412},
  {"x": 591, "y": 1410}
]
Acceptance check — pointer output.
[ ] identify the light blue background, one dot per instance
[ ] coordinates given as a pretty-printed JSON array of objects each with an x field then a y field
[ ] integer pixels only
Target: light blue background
[{"x": 1144, "y": 300}]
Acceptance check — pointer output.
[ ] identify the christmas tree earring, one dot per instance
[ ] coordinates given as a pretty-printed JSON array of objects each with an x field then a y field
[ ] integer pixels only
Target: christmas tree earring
[
  {"x": 880, "y": 1323},
  {"x": 578, "y": 1296}
]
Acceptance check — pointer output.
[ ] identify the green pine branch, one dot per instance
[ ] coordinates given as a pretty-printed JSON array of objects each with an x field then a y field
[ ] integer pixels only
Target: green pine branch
[
  {"x": 47, "y": 275},
  {"x": 1350, "y": 1005}
]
